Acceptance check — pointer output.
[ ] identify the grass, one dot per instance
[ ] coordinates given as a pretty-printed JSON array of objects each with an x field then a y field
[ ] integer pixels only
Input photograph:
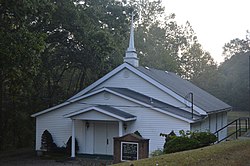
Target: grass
[
  {"x": 232, "y": 115},
  {"x": 226, "y": 153}
]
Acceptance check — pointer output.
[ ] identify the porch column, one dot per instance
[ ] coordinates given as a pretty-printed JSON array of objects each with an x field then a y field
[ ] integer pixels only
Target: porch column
[
  {"x": 73, "y": 140},
  {"x": 120, "y": 128}
]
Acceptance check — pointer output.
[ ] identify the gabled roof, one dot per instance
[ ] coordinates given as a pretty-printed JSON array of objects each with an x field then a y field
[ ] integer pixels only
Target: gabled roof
[
  {"x": 107, "y": 110},
  {"x": 143, "y": 101},
  {"x": 182, "y": 87},
  {"x": 156, "y": 104},
  {"x": 170, "y": 83},
  {"x": 143, "y": 76}
]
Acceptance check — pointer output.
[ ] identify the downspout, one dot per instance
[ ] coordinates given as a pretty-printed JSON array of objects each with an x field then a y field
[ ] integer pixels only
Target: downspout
[{"x": 192, "y": 104}]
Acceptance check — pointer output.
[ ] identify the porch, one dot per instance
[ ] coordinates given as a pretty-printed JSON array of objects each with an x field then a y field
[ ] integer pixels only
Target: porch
[{"x": 95, "y": 128}]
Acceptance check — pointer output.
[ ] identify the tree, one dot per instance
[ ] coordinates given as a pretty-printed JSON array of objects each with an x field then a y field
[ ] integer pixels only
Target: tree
[
  {"x": 236, "y": 46},
  {"x": 80, "y": 47},
  {"x": 235, "y": 81},
  {"x": 158, "y": 38},
  {"x": 69, "y": 145},
  {"x": 195, "y": 61},
  {"x": 47, "y": 143},
  {"x": 20, "y": 48}
]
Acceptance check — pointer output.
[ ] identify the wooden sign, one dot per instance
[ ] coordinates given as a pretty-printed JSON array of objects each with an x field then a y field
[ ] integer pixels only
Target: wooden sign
[{"x": 129, "y": 151}]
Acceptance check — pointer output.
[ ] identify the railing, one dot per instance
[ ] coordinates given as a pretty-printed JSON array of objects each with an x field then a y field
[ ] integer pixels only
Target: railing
[{"x": 239, "y": 128}]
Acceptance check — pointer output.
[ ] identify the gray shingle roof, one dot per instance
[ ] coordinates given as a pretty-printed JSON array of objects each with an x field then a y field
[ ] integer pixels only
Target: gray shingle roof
[
  {"x": 182, "y": 87},
  {"x": 155, "y": 103},
  {"x": 116, "y": 111}
]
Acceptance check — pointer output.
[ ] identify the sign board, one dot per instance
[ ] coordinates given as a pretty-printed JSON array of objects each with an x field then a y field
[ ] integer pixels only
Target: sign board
[{"x": 129, "y": 151}]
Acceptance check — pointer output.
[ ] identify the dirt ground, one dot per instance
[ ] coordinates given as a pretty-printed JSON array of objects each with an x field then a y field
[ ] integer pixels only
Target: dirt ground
[{"x": 29, "y": 158}]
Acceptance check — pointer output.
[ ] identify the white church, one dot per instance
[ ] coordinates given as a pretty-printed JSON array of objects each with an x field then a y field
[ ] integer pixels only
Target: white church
[{"x": 131, "y": 98}]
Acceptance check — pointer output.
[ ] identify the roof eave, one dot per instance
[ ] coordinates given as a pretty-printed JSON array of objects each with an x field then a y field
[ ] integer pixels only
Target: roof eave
[{"x": 220, "y": 110}]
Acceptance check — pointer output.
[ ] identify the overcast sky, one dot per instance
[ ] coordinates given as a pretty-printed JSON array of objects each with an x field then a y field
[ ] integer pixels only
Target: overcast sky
[{"x": 215, "y": 22}]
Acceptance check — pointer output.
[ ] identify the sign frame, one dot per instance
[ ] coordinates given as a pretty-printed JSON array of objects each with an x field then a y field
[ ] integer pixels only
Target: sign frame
[{"x": 133, "y": 143}]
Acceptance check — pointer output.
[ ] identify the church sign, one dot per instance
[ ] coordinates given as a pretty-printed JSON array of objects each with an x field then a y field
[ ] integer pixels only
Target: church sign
[
  {"x": 130, "y": 147},
  {"x": 129, "y": 151}
]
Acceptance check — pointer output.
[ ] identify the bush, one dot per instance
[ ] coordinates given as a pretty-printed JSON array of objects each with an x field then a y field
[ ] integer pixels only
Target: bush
[
  {"x": 68, "y": 145},
  {"x": 168, "y": 137},
  {"x": 47, "y": 143},
  {"x": 204, "y": 138},
  {"x": 157, "y": 152},
  {"x": 178, "y": 144},
  {"x": 187, "y": 140}
]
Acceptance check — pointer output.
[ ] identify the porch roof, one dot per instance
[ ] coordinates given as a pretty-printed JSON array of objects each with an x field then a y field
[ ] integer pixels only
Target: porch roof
[{"x": 106, "y": 110}]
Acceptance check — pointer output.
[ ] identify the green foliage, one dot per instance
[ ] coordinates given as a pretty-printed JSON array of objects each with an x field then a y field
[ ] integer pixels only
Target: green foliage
[
  {"x": 47, "y": 143},
  {"x": 234, "y": 81},
  {"x": 185, "y": 133},
  {"x": 52, "y": 49},
  {"x": 188, "y": 140},
  {"x": 168, "y": 137},
  {"x": 204, "y": 138},
  {"x": 157, "y": 152},
  {"x": 178, "y": 144},
  {"x": 237, "y": 46},
  {"x": 20, "y": 49}
]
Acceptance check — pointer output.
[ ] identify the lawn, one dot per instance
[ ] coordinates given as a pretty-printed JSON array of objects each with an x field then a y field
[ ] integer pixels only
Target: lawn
[
  {"x": 232, "y": 115},
  {"x": 226, "y": 153}
]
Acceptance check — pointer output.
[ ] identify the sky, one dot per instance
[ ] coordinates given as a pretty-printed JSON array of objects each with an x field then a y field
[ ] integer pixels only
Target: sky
[{"x": 215, "y": 22}]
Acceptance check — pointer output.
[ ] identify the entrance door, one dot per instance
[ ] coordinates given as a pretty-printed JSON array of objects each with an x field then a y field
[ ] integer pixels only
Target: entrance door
[{"x": 104, "y": 133}]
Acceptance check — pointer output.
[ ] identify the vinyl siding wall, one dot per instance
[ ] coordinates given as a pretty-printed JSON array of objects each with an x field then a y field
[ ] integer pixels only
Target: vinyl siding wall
[
  {"x": 213, "y": 123},
  {"x": 149, "y": 123},
  {"x": 127, "y": 79},
  {"x": 58, "y": 126}
]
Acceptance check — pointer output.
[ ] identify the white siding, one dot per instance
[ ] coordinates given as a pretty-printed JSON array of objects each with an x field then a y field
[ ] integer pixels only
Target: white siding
[
  {"x": 149, "y": 123},
  {"x": 57, "y": 125},
  {"x": 127, "y": 79},
  {"x": 94, "y": 115},
  {"x": 213, "y": 123}
]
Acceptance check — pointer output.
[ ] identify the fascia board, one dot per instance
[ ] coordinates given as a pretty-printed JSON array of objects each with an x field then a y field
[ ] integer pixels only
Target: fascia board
[{"x": 98, "y": 110}]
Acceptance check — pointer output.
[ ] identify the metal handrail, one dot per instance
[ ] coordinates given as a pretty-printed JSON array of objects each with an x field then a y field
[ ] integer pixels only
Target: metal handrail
[{"x": 237, "y": 131}]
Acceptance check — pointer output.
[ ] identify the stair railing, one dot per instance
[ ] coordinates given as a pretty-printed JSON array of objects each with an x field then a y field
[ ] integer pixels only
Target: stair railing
[{"x": 238, "y": 128}]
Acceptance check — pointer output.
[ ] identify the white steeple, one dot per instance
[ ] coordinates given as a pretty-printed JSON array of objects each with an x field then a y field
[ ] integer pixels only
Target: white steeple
[{"x": 131, "y": 55}]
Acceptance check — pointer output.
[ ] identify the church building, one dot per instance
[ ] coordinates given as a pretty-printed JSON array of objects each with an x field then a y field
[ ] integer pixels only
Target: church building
[{"x": 131, "y": 98}]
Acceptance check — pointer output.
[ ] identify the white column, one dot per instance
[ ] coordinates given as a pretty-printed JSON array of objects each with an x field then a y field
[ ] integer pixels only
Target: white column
[
  {"x": 73, "y": 140},
  {"x": 120, "y": 128}
]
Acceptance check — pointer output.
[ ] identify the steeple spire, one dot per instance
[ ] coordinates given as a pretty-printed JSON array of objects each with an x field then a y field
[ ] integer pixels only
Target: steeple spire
[{"x": 131, "y": 55}]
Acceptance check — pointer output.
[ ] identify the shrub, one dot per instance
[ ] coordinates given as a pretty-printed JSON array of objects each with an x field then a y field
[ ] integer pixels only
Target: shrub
[
  {"x": 204, "y": 138},
  {"x": 157, "y": 152},
  {"x": 188, "y": 140},
  {"x": 68, "y": 145},
  {"x": 178, "y": 144},
  {"x": 168, "y": 137},
  {"x": 47, "y": 143}
]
